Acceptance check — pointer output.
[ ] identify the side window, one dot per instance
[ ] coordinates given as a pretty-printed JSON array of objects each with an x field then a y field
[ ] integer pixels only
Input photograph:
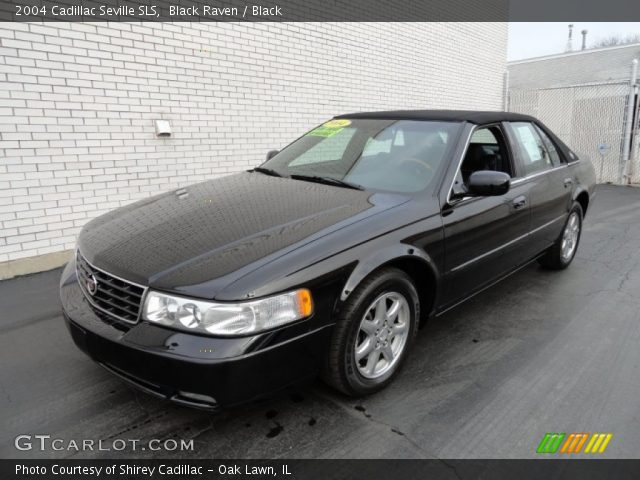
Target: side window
[
  {"x": 484, "y": 135},
  {"x": 486, "y": 151},
  {"x": 533, "y": 153},
  {"x": 551, "y": 148}
]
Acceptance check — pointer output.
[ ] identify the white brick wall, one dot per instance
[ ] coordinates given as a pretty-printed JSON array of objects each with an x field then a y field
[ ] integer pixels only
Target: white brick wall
[{"x": 78, "y": 101}]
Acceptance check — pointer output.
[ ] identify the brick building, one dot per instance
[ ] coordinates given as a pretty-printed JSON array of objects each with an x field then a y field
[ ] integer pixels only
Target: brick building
[{"x": 79, "y": 101}]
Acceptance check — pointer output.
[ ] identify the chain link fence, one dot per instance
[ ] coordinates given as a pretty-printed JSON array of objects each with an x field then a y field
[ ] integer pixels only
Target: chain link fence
[{"x": 591, "y": 119}]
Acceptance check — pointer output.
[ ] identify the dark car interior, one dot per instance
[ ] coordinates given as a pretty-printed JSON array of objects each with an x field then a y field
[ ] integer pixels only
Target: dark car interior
[
  {"x": 486, "y": 151},
  {"x": 407, "y": 162}
]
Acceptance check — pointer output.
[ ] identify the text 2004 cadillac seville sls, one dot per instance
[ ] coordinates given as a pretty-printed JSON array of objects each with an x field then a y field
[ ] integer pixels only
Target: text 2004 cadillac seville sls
[{"x": 324, "y": 259}]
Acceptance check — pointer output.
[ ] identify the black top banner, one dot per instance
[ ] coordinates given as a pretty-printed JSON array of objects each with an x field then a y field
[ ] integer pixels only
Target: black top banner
[{"x": 319, "y": 11}]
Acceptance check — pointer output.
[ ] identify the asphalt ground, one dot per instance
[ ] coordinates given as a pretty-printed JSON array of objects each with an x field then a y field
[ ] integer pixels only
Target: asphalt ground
[{"x": 540, "y": 352}]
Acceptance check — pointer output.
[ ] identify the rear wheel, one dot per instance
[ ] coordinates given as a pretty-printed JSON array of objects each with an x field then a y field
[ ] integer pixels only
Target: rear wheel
[
  {"x": 560, "y": 255},
  {"x": 373, "y": 333}
]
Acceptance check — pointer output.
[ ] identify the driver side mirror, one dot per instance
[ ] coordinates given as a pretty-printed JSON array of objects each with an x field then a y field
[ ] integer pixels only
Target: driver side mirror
[
  {"x": 488, "y": 183},
  {"x": 272, "y": 153}
]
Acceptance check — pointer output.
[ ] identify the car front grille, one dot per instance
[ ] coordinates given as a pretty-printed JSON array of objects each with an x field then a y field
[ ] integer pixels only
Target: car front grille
[{"x": 110, "y": 295}]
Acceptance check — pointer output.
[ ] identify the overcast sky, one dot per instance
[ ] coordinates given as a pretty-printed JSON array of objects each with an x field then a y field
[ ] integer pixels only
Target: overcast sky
[{"x": 529, "y": 39}]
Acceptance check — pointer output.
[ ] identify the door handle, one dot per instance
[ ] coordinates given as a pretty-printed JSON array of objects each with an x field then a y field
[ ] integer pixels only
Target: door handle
[
  {"x": 568, "y": 181},
  {"x": 519, "y": 202}
]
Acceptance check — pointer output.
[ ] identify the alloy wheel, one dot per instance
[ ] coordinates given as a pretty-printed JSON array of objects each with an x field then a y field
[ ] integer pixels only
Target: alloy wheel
[
  {"x": 570, "y": 237},
  {"x": 382, "y": 335}
]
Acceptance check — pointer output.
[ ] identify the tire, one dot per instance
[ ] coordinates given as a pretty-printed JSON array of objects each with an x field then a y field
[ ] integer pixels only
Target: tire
[
  {"x": 556, "y": 258},
  {"x": 383, "y": 289}
]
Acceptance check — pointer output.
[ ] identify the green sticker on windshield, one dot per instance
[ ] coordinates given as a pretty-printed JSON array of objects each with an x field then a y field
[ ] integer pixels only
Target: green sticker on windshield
[
  {"x": 324, "y": 131},
  {"x": 330, "y": 128}
]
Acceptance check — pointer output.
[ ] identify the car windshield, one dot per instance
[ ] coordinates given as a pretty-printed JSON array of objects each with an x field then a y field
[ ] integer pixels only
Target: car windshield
[{"x": 389, "y": 155}]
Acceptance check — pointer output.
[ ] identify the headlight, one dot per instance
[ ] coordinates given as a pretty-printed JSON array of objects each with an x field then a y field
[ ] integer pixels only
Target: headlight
[{"x": 227, "y": 318}]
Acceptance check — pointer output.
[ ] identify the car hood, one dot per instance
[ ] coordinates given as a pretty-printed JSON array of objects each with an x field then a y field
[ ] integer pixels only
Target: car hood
[{"x": 224, "y": 227}]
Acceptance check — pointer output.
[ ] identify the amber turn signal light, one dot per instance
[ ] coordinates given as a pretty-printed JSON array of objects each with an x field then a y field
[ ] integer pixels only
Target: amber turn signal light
[{"x": 305, "y": 303}]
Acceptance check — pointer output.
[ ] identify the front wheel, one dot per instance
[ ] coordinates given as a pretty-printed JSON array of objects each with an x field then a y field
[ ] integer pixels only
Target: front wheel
[
  {"x": 373, "y": 333},
  {"x": 561, "y": 253}
]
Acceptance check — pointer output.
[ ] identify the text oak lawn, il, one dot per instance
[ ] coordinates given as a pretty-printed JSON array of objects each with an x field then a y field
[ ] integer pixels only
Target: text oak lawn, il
[{"x": 148, "y": 470}]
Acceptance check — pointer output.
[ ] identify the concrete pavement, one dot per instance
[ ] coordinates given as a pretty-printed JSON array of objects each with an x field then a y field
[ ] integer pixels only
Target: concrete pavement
[{"x": 540, "y": 352}]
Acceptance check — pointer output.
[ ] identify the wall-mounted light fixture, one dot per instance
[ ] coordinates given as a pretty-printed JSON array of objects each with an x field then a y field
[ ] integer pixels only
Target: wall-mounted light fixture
[{"x": 163, "y": 128}]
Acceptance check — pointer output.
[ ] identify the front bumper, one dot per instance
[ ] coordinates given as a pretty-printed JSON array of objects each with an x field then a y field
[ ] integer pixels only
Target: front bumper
[{"x": 193, "y": 370}]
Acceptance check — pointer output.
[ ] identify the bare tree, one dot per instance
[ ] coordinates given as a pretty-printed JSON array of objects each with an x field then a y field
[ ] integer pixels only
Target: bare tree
[{"x": 614, "y": 40}]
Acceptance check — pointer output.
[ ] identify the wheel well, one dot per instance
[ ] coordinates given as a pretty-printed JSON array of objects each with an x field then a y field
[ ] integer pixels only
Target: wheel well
[
  {"x": 423, "y": 278},
  {"x": 583, "y": 200}
]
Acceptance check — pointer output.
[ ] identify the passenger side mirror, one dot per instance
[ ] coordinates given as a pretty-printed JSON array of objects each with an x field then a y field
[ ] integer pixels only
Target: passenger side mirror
[
  {"x": 488, "y": 183},
  {"x": 272, "y": 153}
]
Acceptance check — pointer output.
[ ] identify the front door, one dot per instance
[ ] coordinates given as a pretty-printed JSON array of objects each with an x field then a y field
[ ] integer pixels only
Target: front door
[{"x": 482, "y": 233}]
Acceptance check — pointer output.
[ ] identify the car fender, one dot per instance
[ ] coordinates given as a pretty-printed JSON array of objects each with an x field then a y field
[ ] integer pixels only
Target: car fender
[
  {"x": 586, "y": 177},
  {"x": 578, "y": 190},
  {"x": 382, "y": 257}
]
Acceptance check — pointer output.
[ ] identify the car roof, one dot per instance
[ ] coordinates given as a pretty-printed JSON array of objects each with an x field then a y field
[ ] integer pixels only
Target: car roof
[{"x": 472, "y": 116}]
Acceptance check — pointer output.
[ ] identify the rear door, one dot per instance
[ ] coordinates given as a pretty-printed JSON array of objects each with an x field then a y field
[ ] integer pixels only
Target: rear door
[
  {"x": 547, "y": 180},
  {"x": 481, "y": 232},
  {"x": 560, "y": 191}
]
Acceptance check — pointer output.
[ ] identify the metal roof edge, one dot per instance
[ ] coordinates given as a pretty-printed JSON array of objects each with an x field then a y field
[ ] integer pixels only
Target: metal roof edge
[{"x": 571, "y": 54}]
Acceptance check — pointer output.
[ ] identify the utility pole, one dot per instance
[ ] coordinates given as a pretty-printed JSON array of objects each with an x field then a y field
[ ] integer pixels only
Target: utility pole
[{"x": 626, "y": 141}]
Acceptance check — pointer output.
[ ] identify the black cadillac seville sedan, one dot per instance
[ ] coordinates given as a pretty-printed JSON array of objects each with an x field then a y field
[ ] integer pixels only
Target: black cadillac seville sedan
[{"x": 325, "y": 258}]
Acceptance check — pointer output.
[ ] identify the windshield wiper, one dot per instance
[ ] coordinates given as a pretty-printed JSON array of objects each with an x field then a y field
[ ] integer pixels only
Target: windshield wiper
[
  {"x": 327, "y": 181},
  {"x": 266, "y": 171}
]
